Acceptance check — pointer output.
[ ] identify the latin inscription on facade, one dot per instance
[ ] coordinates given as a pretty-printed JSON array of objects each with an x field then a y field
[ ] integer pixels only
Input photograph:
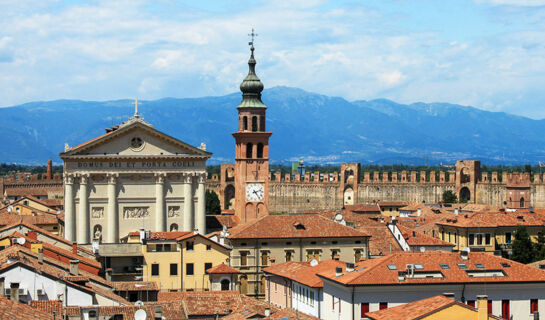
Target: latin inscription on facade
[
  {"x": 135, "y": 212},
  {"x": 135, "y": 165}
]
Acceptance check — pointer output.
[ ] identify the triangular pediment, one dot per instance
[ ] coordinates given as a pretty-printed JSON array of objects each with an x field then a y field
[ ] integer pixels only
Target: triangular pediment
[{"x": 135, "y": 139}]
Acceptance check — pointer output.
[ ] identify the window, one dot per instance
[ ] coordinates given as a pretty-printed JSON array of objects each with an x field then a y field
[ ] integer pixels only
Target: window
[
  {"x": 245, "y": 123},
  {"x": 533, "y": 306},
  {"x": 462, "y": 265},
  {"x": 479, "y": 266},
  {"x": 208, "y": 247},
  {"x": 264, "y": 258},
  {"x": 249, "y": 151},
  {"x": 313, "y": 254},
  {"x": 189, "y": 269},
  {"x": 419, "y": 267},
  {"x": 489, "y": 306},
  {"x": 487, "y": 239},
  {"x": 364, "y": 308},
  {"x": 508, "y": 237},
  {"x": 155, "y": 269},
  {"x": 173, "y": 269},
  {"x": 505, "y": 265},
  {"x": 471, "y": 303},
  {"x": 259, "y": 150},
  {"x": 243, "y": 258},
  {"x": 522, "y": 202},
  {"x": 383, "y": 305},
  {"x": 289, "y": 256},
  {"x": 505, "y": 313},
  {"x": 443, "y": 235},
  {"x": 158, "y": 247},
  {"x": 189, "y": 246},
  {"x": 335, "y": 254},
  {"x": 262, "y": 123},
  {"x": 479, "y": 239},
  {"x": 471, "y": 239},
  {"x": 207, "y": 266},
  {"x": 254, "y": 123},
  {"x": 392, "y": 267},
  {"x": 357, "y": 255},
  {"x": 455, "y": 238},
  {"x": 444, "y": 266},
  {"x": 449, "y": 237}
]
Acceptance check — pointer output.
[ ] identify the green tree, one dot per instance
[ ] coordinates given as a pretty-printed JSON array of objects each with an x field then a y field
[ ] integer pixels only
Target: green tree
[
  {"x": 449, "y": 197},
  {"x": 523, "y": 248},
  {"x": 212, "y": 203},
  {"x": 528, "y": 168},
  {"x": 539, "y": 247}
]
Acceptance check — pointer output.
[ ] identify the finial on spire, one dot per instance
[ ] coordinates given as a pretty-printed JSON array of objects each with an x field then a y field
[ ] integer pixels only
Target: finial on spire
[
  {"x": 136, "y": 103},
  {"x": 252, "y": 37}
]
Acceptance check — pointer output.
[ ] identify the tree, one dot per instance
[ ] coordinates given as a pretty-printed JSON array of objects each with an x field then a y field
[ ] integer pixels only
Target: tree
[
  {"x": 539, "y": 247},
  {"x": 212, "y": 203},
  {"x": 523, "y": 248},
  {"x": 449, "y": 197}
]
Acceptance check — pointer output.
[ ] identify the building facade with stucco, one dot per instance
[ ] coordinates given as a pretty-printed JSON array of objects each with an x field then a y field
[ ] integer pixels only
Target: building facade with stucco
[{"x": 133, "y": 177}]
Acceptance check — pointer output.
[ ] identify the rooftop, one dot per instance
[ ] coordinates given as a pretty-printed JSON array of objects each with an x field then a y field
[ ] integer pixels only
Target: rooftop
[
  {"x": 303, "y": 272},
  {"x": 415, "y": 238},
  {"x": 11, "y": 310},
  {"x": 485, "y": 219}
]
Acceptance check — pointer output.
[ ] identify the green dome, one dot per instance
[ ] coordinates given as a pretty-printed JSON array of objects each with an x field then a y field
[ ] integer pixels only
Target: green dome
[{"x": 251, "y": 87}]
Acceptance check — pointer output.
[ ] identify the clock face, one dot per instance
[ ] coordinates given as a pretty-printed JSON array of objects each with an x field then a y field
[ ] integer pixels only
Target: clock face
[{"x": 255, "y": 192}]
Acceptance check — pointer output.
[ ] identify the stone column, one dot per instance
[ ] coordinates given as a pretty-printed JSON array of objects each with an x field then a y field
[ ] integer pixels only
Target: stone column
[
  {"x": 160, "y": 221},
  {"x": 83, "y": 212},
  {"x": 69, "y": 212},
  {"x": 188, "y": 203},
  {"x": 112, "y": 228},
  {"x": 200, "y": 221}
]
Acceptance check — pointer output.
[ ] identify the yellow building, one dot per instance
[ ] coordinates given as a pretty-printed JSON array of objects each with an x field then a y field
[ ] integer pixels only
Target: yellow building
[
  {"x": 435, "y": 308},
  {"x": 179, "y": 260},
  {"x": 488, "y": 231}
]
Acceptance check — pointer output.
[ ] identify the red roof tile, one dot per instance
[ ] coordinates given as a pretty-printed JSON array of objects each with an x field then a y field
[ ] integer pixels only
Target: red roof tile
[
  {"x": 222, "y": 269},
  {"x": 485, "y": 219},
  {"x": 11, "y": 310},
  {"x": 415, "y": 238},
  {"x": 303, "y": 272}
]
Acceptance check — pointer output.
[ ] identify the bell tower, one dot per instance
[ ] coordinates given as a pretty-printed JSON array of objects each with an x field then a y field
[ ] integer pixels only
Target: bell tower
[{"x": 252, "y": 149}]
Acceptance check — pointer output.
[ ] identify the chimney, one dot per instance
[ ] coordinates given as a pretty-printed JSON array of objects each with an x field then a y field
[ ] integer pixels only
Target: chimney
[
  {"x": 482, "y": 307},
  {"x": 267, "y": 312},
  {"x": 400, "y": 276},
  {"x": 464, "y": 254},
  {"x": 14, "y": 291},
  {"x": 40, "y": 255},
  {"x": 74, "y": 267},
  {"x": 109, "y": 274},
  {"x": 74, "y": 248},
  {"x": 49, "y": 170},
  {"x": 418, "y": 212},
  {"x": 158, "y": 312},
  {"x": 349, "y": 267},
  {"x": 456, "y": 211},
  {"x": 338, "y": 271},
  {"x": 2, "y": 286}
]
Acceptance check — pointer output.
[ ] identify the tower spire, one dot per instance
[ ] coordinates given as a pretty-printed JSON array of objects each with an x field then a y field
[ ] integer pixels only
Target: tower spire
[{"x": 251, "y": 86}]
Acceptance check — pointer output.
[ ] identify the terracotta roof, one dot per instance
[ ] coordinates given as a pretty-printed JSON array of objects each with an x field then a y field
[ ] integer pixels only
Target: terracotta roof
[
  {"x": 31, "y": 197},
  {"x": 485, "y": 219},
  {"x": 71, "y": 255},
  {"x": 222, "y": 269},
  {"x": 365, "y": 208},
  {"x": 11, "y": 310},
  {"x": 42, "y": 219},
  {"x": 377, "y": 272},
  {"x": 128, "y": 312},
  {"x": 393, "y": 203},
  {"x": 537, "y": 264},
  {"x": 94, "y": 139},
  {"x": 419, "y": 309},
  {"x": 227, "y": 220},
  {"x": 293, "y": 226},
  {"x": 415, "y": 238},
  {"x": 303, "y": 272},
  {"x": 135, "y": 286}
]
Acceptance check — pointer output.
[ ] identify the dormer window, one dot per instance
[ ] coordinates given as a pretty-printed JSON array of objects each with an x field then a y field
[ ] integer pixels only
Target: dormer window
[{"x": 299, "y": 226}]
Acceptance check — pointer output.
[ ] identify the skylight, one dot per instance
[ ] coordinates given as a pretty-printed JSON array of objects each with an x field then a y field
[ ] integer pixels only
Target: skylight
[
  {"x": 444, "y": 266},
  {"x": 505, "y": 265},
  {"x": 462, "y": 265},
  {"x": 392, "y": 267},
  {"x": 479, "y": 266},
  {"x": 418, "y": 267}
]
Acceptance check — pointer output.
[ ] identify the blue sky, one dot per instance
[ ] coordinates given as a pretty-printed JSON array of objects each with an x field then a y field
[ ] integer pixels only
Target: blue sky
[{"x": 486, "y": 53}]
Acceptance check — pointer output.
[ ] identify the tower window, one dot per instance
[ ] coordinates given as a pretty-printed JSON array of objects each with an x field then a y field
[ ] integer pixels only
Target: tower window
[
  {"x": 262, "y": 123},
  {"x": 249, "y": 148},
  {"x": 254, "y": 123},
  {"x": 245, "y": 123},
  {"x": 260, "y": 150}
]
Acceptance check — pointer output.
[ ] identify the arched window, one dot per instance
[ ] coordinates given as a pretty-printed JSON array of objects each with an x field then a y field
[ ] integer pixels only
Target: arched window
[
  {"x": 174, "y": 227},
  {"x": 522, "y": 202},
  {"x": 259, "y": 150},
  {"x": 249, "y": 148},
  {"x": 245, "y": 123},
  {"x": 262, "y": 123},
  {"x": 254, "y": 123}
]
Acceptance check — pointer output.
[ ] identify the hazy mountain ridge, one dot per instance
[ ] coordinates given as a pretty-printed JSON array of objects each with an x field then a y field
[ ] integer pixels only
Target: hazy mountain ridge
[{"x": 308, "y": 125}]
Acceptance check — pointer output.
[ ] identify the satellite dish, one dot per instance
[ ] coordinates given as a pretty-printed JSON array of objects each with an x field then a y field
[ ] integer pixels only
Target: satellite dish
[
  {"x": 140, "y": 314},
  {"x": 10, "y": 209},
  {"x": 422, "y": 249},
  {"x": 139, "y": 303},
  {"x": 21, "y": 240},
  {"x": 338, "y": 217},
  {"x": 313, "y": 263}
]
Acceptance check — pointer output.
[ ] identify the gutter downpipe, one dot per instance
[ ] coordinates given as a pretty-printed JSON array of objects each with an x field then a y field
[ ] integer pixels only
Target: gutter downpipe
[{"x": 353, "y": 312}]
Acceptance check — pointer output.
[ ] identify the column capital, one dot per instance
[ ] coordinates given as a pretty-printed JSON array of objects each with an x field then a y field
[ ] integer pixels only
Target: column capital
[
  {"x": 188, "y": 177},
  {"x": 112, "y": 178},
  {"x": 202, "y": 177},
  {"x": 160, "y": 177},
  {"x": 84, "y": 178},
  {"x": 68, "y": 178}
]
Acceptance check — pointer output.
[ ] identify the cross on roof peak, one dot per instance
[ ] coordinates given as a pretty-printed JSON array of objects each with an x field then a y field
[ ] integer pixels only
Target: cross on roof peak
[{"x": 252, "y": 37}]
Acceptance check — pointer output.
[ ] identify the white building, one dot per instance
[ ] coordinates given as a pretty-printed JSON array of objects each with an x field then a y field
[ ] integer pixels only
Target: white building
[
  {"x": 133, "y": 177},
  {"x": 513, "y": 289}
]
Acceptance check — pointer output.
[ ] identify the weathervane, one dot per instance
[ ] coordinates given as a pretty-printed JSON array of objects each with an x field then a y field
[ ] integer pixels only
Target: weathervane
[
  {"x": 252, "y": 36},
  {"x": 136, "y": 103}
]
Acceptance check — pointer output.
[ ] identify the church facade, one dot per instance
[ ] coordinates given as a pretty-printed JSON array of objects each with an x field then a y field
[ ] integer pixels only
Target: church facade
[{"x": 133, "y": 177}]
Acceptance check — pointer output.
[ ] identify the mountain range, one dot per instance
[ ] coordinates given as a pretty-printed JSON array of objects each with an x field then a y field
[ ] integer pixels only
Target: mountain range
[{"x": 314, "y": 127}]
